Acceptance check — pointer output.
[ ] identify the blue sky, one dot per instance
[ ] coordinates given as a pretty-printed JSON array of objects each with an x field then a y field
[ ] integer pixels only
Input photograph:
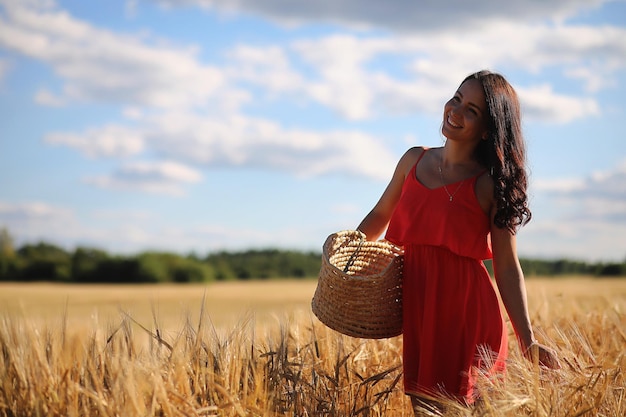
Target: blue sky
[{"x": 201, "y": 125}]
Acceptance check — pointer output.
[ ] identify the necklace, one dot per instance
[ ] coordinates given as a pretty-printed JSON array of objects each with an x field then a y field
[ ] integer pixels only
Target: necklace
[{"x": 446, "y": 188}]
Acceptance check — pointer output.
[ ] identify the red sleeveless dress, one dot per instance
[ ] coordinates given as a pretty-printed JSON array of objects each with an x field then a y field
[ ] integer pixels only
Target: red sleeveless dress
[{"x": 451, "y": 311}]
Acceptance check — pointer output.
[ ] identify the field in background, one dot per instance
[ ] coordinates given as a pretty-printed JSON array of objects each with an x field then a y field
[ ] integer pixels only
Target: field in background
[
  {"x": 227, "y": 303},
  {"x": 224, "y": 303},
  {"x": 71, "y": 350}
]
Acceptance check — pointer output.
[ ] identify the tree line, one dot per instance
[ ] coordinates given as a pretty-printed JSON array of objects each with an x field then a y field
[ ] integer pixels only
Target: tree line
[
  {"x": 46, "y": 262},
  {"x": 568, "y": 267}
]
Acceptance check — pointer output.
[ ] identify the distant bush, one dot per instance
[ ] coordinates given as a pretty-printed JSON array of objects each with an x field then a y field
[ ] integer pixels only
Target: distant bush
[
  {"x": 8, "y": 269},
  {"x": 118, "y": 270},
  {"x": 264, "y": 264},
  {"x": 46, "y": 262},
  {"x": 87, "y": 264},
  {"x": 148, "y": 267},
  {"x": 167, "y": 267},
  {"x": 611, "y": 270},
  {"x": 544, "y": 267},
  {"x": 42, "y": 262}
]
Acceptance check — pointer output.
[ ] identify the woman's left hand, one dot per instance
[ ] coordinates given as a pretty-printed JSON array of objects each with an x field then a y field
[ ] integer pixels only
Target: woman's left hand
[{"x": 547, "y": 356}]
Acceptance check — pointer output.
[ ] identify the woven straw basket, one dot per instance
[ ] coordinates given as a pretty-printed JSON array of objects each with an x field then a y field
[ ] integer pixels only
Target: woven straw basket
[{"x": 359, "y": 290}]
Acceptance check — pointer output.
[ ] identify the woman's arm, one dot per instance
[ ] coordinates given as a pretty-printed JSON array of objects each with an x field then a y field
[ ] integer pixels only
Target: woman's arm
[
  {"x": 510, "y": 280},
  {"x": 376, "y": 221}
]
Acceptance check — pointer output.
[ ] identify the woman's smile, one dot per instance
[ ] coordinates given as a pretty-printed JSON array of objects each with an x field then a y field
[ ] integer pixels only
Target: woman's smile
[{"x": 452, "y": 123}]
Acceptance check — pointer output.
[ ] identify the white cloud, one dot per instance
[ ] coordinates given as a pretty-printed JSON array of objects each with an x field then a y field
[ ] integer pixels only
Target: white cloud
[
  {"x": 337, "y": 70},
  {"x": 131, "y": 231},
  {"x": 46, "y": 98},
  {"x": 344, "y": 83},
  {"x": 541, "y": 103},
  {"x": 140, "y": 72},
  {"x": 186, "y": 114},
  {"x": 136, "y": 70},
  {"x": 558, "y": 185},
  {"x": 397, "y": 15},
  {"x": 587, "y": 219},
  {"x": 34, "y": 4},
  {"x": 590, "y": 240},
  {"x": 149, "y": 78},
  {"x": 100, "y": 65},
  {"x": 205, "y": 238},
  {"x": 267, "y": 65},
  {"x": 108, "y": 141},
  {"x": 150, "y": 177},
  {"x": 236, "y": 141},
  {"x": 32, "y": 210},
  {"x": 607, "y": 186},
  {"x": 264, "y": 144},
  {"x": 124, "y": 215},
  {"x": 595, "y": 79},
  {"x": 35, "y": 221}
]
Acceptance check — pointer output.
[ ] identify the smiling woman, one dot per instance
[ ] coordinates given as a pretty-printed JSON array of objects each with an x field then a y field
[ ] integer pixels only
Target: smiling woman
[{"x": 448, "y": 226}]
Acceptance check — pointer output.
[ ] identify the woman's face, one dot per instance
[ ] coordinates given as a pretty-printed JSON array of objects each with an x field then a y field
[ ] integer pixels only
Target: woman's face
[{"x": 465, "y": 115}]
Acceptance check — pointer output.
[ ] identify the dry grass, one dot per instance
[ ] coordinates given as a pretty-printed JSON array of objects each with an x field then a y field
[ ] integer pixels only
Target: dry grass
[{"x": 122, "y": 360}]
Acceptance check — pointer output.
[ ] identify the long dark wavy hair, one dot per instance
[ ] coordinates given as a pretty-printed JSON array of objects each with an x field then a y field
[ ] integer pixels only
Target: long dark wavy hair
[{"x": 504, "y": 151}]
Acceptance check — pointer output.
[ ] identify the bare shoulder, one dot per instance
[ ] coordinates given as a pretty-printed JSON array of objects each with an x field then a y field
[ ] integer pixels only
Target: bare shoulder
[
  {"x": 409, "y": 159},
  {"x": 414, "y": 152},
  {"x": 484, "y": 192}
]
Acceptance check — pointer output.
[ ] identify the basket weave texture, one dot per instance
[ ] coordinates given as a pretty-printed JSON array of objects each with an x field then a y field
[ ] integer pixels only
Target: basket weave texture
[{"x": 359, "y": 289}]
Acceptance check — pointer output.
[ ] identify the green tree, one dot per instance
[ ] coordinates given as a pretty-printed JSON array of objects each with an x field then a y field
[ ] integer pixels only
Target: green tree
[
  {"x": 168, "y": 267},
  {"x": 118, "y": 269},
  {"x": 263, "y": 264},
  {"x": 43, "y": 261},
  {"x": 86, "y": 263},
  {"x": 611, "y": 270},
  {"x": 6, "y": 244},
  {"x": 8, "y": 266}
]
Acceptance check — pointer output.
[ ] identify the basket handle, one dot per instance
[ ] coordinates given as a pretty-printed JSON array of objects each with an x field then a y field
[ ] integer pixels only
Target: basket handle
[{"x": 354, "y": 255}]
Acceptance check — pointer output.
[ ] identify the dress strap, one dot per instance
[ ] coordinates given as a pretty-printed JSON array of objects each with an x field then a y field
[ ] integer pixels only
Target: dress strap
[
  {"x": 421, "y": 155},
  {"x": 419, "y": 158},
  {"x": 414, "y": 168}
]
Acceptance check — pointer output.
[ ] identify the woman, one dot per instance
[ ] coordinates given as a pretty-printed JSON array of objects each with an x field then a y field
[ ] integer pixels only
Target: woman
[{"x": 450, "y": 208}]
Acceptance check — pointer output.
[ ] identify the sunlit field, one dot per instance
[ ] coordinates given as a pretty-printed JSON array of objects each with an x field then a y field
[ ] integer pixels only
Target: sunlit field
[{"x": 254, "y": 349}]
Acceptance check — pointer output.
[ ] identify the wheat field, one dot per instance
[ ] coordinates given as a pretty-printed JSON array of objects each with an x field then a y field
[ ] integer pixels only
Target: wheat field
[{"x": 254, "y": 349}]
